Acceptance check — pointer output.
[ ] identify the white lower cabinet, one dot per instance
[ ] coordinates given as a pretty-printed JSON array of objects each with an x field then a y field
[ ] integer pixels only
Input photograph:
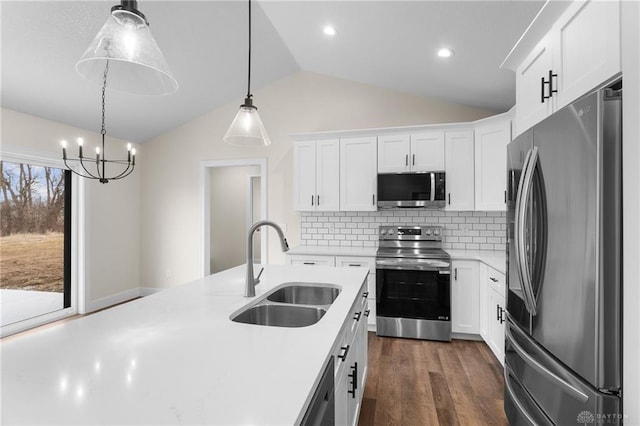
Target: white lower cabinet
[
  {"x": 495, "y": 312},
  {"x": 465, "y": 295},
  {"x": 351, "y": 364},
  {"x": 346, "y": 261}
]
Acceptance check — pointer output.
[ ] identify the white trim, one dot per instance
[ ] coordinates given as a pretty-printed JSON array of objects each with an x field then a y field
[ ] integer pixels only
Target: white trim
[
  {"x": 205, "y": 203},
  {"x": 78, "y": 240},
  {"x": 114, "y": 299},
  {"x": 250, "y": 208},
  {"x": 148, "y": 291}
]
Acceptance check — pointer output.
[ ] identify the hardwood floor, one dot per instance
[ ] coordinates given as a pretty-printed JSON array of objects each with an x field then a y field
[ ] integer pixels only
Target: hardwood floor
[{"x": 421, "y": 382}]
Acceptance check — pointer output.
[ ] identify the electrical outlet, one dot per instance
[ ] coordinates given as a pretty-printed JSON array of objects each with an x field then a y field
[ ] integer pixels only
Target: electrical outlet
[{"x": 465, "y": 228}]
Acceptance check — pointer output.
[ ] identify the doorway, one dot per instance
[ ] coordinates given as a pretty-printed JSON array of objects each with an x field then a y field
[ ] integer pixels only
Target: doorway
[{"x": 233, "y": 197}]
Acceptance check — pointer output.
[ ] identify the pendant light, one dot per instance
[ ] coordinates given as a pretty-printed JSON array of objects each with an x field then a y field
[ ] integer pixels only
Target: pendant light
[
  {"x": 246, "y": 128},
  {"x": 136, "y": 63}
]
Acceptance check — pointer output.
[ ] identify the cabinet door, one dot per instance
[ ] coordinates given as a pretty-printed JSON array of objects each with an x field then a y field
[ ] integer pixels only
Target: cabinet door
[
  {"x": 496, "y": 325},
  {"x": 587, "y": 52},
  {"x": 393, "y": 154},
  {"x": 304, "y": 175},
  {"x": 459, "y": 164},
  {"x": 491, "y": 140},
  {"x": 531, "y": 108},
  {"x": 465, "y": 304},
  {"x": 327, "y": 176},
  {"x": 358, "y": 174},
  {"x": 427, "y": 152}
]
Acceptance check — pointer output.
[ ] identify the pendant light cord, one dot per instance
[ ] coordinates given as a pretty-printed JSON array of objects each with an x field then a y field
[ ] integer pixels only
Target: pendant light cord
[
  {"x": 103, "y": 131},
  {"x": 249, "y": 68}
]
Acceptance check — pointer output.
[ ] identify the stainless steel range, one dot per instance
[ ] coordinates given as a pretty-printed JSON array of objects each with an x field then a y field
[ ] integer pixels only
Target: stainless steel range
[{"x": 413, "y": 291}]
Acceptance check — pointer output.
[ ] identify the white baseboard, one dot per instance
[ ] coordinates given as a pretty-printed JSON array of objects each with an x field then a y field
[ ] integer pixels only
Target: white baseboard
[
  {"x": 124, "y": 296},
  {"x": 148, "y": 291},
  {"x": 114, "y": 299}
]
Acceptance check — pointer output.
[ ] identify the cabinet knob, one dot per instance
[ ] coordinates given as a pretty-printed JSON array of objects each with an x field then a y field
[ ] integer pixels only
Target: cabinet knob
[
  {"x": 365, "y": 294},
  {"x": 367, "y": 312},
  {"x": 357, "y": 316}
]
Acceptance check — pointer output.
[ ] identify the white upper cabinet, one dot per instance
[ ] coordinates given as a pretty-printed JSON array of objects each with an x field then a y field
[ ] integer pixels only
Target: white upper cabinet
[
  {"x": 459, "y": 169},
  {"x": 358, "y": 174},
  {"x": 588, "y": 48},
  {"x": 491, "y": 138},
  {"x": 580, "y": 52},
  {"x": 393, "y": 154},
  {"x": 423, "y": 152},
  {"x": 316, "y": 182},
  {"x": 532, "y": 107},
  {"x": 427, "y": 152}
]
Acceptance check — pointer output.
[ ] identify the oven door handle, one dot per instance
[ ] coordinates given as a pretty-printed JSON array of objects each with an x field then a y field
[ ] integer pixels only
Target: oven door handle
[{"x": 414, "y": 267}]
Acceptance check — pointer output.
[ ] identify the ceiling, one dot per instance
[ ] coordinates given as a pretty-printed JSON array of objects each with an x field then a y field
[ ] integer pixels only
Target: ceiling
[{"x": 390, "y": 44}]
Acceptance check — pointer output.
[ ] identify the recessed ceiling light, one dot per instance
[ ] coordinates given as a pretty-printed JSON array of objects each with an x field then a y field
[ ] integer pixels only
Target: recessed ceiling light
[
  {"x": 329, "y": 30},
  {"x": 445, "y": 52}
]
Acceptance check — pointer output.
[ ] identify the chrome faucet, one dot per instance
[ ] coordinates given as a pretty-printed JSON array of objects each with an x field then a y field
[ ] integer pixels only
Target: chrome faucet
[{"x": 250, "y": 285}]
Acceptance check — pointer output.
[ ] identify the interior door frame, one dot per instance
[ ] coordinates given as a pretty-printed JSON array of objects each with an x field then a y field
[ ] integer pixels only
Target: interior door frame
[{"x": 205, "y": 203}]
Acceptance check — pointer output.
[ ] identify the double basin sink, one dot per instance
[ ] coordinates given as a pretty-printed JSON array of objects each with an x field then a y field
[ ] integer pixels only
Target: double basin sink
[{"x": 294, "y": 304}]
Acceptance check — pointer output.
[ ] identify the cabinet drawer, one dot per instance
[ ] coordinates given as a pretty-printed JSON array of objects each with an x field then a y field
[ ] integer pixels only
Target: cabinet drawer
[
  {"x": 300, "y": 259},
  {"x": 357, "y": 262},
  {"x": 496, "y": 280}
]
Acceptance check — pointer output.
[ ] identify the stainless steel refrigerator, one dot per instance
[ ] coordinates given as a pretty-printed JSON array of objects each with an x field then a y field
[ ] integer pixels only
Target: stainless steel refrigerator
[{"x": 563, "y": 362}]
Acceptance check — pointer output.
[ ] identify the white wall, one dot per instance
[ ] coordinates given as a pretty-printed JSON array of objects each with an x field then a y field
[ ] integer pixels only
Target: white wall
[
  {"x": 302, "y": 102},
  {"x": 112, "y": 219},
  {"x": 229, "y": 203}
]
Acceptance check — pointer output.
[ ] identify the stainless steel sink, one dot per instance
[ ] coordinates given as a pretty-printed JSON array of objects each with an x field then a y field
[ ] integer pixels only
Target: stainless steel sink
[
  {"x": 305, "y": 294},
  {"x": 280, "y": 315}
]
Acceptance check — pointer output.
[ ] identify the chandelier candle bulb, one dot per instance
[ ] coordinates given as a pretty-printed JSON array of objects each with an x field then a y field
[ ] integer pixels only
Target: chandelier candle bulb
[
  {"x": 97, "y": 155},
  {"x": 80, "y": 143}
]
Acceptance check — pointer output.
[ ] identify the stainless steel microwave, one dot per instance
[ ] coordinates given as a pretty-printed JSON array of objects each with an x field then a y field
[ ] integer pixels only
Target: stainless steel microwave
[{"x": 411, "y": 190}]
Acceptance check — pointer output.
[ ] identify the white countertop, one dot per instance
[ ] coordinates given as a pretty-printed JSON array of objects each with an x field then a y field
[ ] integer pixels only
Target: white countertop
[
  {"x": 175, "y": 358},
  {"x": 334, "y": 251},
  {"x": 496, "y": 259}
]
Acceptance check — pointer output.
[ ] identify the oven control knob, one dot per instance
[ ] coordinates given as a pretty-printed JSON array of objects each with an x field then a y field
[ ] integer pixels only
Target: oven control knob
[
  {"x": 436, "y": 232},
  {"x": 383, "y": 231},
  {"x": 390, "y": 232},
  {"x": 428, "y": 232}
]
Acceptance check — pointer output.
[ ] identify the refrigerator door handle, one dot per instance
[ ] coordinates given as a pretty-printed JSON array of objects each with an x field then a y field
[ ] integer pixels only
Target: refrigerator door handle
[
  {"x": 514, "y": 398},
  {"x": 567, "y": 387},
  {"x": 521, "y": 205}
]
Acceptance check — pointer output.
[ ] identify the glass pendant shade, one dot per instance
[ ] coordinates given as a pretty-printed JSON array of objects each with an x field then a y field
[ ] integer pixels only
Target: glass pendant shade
[
  {"x": 246, "y": 128},
  {"x": 136, "y": 64}
]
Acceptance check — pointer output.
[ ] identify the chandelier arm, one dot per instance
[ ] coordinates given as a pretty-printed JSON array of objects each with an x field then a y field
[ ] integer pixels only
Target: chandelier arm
[
  {"x": 126, "y": 172},
  {"x": 89, "y": 174}
]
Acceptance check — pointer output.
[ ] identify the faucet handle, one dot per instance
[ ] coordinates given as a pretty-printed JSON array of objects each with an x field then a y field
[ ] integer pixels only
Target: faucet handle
[{"x": 257, "y": 280}]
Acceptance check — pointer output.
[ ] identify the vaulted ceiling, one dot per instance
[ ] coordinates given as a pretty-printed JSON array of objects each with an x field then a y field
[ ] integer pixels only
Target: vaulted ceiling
[{"x": 390, "y": 44}]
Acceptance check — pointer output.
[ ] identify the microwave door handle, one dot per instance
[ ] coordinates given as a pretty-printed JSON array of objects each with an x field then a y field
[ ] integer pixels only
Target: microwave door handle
[
  {"x": 433, "y": 186},
  {"x": 519, "y": 230},
  {"x": 524, "y": 193}
]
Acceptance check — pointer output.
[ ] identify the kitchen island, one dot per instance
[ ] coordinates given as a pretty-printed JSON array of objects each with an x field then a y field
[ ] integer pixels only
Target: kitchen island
[{"x": 177, "y": 358}]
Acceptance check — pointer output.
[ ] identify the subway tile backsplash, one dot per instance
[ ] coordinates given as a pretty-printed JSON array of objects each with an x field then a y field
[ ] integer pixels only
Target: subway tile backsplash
[{"x": 461, "y": 230}]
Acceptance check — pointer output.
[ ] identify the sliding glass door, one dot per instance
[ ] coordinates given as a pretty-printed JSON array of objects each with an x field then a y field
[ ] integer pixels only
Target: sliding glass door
[{"x": 35, "y": 241}]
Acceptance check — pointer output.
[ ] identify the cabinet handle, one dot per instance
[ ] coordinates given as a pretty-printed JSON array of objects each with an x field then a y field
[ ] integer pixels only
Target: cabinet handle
[
  {"x": 365, "y": 294},
  {"x": 317, "y": 200},
  {"x": 542, "y": 96},
  {"x": 312, "y": 200},
  {"x": 551, "y": 89},
  {"x": 495, "y": 280},
  {"x": 357, "y": 316},
  {"x": 500, "y": 314},
  {"x": 497, "y": 312},
  {"x": 413, "y": 161},
  {"x": 455, "y": 274},
  {"x": 367, "y": 312},
  {"x": 373, "y": 199},
  {"x": 355, "y": 264},
  {"x": 449, "y": 198},
  {"x": 406, "y": 160},
  {"x": 354, "y": 380},
  {"x": 505, "y": 196},
  {"x": 343, "y": 356},
  {"x": 543, "y": 83},
  {"x": 308, "y": 263}
]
